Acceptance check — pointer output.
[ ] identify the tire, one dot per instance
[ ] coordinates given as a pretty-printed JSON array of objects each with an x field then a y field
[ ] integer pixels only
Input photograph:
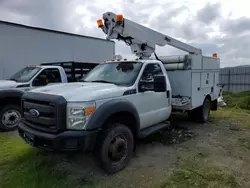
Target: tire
[
  {"x": 204, "y": 111},
  {"x": 10, "y": 117},
  {"x": 117, "y": 137}
]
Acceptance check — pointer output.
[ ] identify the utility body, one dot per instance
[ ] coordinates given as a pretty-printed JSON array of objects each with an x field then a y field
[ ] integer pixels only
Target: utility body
[
  {"x": 121, "y": 101},
  {"x": 31, "y": 77}
]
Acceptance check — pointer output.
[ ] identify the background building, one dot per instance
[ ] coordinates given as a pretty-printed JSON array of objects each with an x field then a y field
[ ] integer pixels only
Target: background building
[
  {"x": 235, "y": 79},
  {"x": 22, "y": 45}
]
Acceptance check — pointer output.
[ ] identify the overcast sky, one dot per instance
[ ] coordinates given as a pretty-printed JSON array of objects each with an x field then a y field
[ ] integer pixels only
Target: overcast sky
[{"x": 214, "y": 26}]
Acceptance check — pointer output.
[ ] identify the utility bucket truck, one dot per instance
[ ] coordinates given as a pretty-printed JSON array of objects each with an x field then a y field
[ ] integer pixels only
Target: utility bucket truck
[{"x": 121, "y": 101}]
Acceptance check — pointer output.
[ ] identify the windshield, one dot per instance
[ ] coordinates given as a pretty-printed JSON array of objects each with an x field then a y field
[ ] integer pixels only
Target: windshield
[
  {"x": 25, "y": 74},
  {"x": 119, "y": 73}
]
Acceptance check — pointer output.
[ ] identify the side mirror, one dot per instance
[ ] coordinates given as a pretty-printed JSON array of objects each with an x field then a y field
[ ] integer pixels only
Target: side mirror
[
  {"x": 40, "y": 80},
  {"x": 160, "y": 84},
  {"x": 145, "y": 86}
]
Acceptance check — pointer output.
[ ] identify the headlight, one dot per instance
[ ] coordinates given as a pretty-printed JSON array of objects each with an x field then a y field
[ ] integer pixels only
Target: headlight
[{"x": 78, "y": 114}]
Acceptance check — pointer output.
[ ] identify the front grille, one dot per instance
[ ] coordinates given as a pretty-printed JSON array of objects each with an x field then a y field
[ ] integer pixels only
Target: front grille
[
  {"x": 50, "y": 112},
  {"x": 47, "y": 114}
]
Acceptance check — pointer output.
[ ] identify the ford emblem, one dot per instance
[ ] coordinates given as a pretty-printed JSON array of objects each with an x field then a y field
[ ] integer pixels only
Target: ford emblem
[{"x": 34, "y": 112}]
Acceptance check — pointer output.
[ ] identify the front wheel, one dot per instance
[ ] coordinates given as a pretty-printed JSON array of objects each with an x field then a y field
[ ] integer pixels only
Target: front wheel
[
  {"x": 114, "y": 148},
  {"x": 10, "y": 117}
]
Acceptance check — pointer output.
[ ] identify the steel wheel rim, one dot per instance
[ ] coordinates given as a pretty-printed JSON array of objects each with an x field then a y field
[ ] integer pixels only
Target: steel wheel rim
[
  {"x": 11, "y": 118},
  {"x": 118, "y": 149}
]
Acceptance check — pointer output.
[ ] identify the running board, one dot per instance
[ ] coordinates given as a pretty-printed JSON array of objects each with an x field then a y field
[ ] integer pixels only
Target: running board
[{"x": 153, "y": 129}]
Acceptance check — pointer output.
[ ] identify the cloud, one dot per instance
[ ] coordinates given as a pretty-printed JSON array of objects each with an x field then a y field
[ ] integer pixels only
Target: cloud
[
  {"x": 213, "y": 26},
  {"x": 209, "y": 13},
  {"x": 236, "y": 26},
  {"x": 48, "y": 14}
]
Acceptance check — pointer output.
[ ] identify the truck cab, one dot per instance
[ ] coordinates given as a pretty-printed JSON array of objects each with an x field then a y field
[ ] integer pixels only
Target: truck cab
[{"x": 34, "y": 76}]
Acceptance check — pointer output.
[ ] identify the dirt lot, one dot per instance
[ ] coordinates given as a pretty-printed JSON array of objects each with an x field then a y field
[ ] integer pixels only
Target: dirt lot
[{"x": 216, "y": 154}]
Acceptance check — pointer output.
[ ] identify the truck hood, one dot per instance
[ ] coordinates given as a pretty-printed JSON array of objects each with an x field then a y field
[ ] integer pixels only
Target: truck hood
[
  {"x": 8, "y": 84},
  {"x": 84, "y": 91}
]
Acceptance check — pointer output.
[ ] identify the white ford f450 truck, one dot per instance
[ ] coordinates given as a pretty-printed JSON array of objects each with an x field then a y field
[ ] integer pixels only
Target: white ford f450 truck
[
  {"x": 30, "y": 77},
  {"x": 121, "y": 101}
]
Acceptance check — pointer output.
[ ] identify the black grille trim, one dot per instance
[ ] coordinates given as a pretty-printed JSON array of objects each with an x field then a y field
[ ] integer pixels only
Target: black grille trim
[{"x": 44, "y": 108}]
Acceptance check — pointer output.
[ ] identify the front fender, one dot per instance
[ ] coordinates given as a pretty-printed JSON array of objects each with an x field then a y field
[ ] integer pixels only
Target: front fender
[
  {"x": 111, "y": 107},
  {"x": 10, "y": 93}
]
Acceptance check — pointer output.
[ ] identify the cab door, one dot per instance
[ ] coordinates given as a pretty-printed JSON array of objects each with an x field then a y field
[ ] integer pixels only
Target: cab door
[{"x": 153, "y": 107}]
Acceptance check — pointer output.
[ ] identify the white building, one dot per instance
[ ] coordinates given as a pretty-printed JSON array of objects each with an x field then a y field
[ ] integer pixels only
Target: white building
[{"x": 22, "y": 45}]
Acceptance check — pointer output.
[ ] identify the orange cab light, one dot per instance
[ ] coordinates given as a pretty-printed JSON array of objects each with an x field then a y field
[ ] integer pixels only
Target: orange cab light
[
  {"x": 119, "y": 18},
  {"x": 99, "y": 23},
  {"x": 214, "y": 54}
]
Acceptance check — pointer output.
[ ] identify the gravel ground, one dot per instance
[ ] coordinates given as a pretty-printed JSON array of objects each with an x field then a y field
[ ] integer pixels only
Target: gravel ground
[{"x": 222, "y": 143}]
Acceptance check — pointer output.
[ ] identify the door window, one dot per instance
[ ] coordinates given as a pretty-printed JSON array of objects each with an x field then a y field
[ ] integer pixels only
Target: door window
[
  {"x": 53, "y": 75},
  {"x": 50, "y": 75},
  {"x": 148, "y": 74}
]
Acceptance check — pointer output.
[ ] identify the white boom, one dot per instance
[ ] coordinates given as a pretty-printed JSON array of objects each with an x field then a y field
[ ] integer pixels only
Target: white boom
[{"x": 142, "y": 40}]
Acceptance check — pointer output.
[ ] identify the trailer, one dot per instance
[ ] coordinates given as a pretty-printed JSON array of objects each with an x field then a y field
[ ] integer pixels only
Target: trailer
[{"x": 22, "y": 45}]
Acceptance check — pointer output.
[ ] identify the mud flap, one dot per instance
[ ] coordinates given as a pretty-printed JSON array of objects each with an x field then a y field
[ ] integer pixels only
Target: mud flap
[{"x": 214, "y": 105}]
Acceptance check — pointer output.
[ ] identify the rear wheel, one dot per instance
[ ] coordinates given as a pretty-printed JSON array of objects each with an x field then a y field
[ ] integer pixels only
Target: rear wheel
[
  {"x": 114, "y": 148},
  {"x": 10, "y": 117},
  {"x": 201, "y": 113},
  {"x": 204, "y": 111}
]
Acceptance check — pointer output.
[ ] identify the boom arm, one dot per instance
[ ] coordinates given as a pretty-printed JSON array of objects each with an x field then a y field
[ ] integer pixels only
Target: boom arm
[{"x": 142, "y": 40}]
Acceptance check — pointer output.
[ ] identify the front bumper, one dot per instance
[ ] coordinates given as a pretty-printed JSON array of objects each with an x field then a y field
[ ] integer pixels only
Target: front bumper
[{"x": 64, "y": 141}]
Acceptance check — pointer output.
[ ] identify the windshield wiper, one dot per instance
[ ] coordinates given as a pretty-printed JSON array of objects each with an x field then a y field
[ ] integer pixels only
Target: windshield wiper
[{"x": 103, "y": 81}]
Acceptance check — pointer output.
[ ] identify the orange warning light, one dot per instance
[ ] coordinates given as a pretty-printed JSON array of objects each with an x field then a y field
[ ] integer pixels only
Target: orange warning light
[
  {"x": 214, "y": 54},
  {"x": 99, "y": 23},
  {"x": 119, "y": 18}
]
